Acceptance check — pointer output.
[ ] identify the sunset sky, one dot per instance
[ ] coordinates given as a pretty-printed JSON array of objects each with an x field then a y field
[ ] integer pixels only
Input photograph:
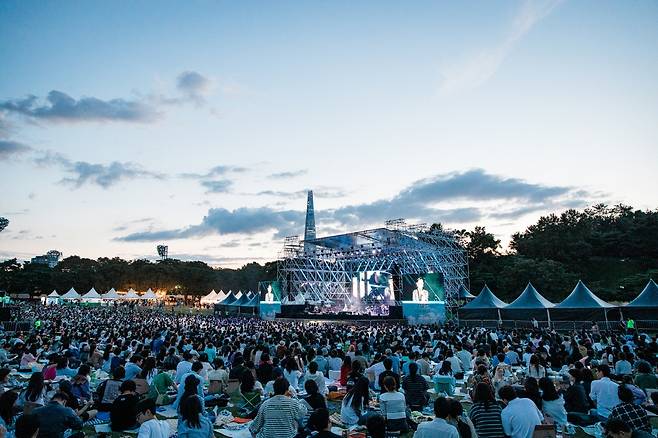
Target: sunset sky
[{"x": 200, "y": 124}]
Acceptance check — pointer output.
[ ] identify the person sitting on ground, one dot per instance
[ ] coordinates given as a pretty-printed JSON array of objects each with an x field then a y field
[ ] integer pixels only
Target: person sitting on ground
[
  {"x": 313, "y": 399},
  {"x": 151, "y": 427},
  {"x": 604, "y": 392},
  {"x": 531, "y": 391},
  {"x": 248, "y": 397},
  {"x": 639, "y": 396},
  {"x": 552, "y": 403},
  {"x": 536, "y": 369},
  {"x": 486, "y": 413},
  {"x": 123, "y": 414},
  {"x": 80, "y": 383},
  {"x": 575, "y": 397},
  {"x": 645, "y": 379},
  {"x": 376, "y": 426},
  {"x": 393, "y": 406},
  {"x": 415, "y": 389},
  {"x": 218, "y": 377},
  {"x": 438, "y": 427},
  {"x": 55, "y": 418},
  {"x": 279, "y": 415},
  {"x": 520, "y": 415},
  {"x": 81, "y": 408},
  {"x": 191, "y": 422},
  {"x": 160, "y": 386},
  {"x": 34, "y": 394},
  {"x": 345, "y": 370},
  {"x": 109, "y": 390},
  {"x": 388, "y": 371},
  {"x": 319, "y": 422},
  {"x": 317, "y": 377},
  {"x": 456, "y": 417},
  {"x": 616, "y": 428},
  {"x": 630, "y": 413},
  {"x": 7, "y": 410},
  {"x": 27, "y": 426}
]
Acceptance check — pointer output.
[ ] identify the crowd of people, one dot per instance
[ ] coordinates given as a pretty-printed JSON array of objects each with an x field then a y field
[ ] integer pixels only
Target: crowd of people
[{"x": 296, "y": 378}]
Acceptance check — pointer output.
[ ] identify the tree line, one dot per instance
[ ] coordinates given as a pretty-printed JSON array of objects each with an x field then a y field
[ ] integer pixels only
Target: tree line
[{"x": 613, "y": 249}]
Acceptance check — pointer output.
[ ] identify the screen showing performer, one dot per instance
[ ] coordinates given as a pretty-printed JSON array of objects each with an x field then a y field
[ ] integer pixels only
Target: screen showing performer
[
  {"x": 423, "y": 288},
  {"x": 269, "y": 291}
]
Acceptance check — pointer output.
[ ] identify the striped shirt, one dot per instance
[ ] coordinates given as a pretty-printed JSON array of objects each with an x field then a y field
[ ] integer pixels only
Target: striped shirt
[
  {"x": 277, "y": 417},
  {"x": 487, "y": 422}
]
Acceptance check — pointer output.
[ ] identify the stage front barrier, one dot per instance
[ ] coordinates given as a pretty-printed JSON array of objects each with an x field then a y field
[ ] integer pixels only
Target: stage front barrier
[
  {"x": 428, "y": 312},
  {"x": 268, "y": 310}
]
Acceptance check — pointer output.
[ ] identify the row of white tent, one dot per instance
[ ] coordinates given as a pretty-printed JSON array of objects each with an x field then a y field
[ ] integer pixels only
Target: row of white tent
[
  {"x": 217, "y": 297},
  {"x": 94, "y": 297}
]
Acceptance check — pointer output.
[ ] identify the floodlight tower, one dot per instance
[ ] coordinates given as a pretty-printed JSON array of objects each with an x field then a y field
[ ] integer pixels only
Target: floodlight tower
[
  {"x": 309, "y": 229},
  {"x": 163, "y": 252}
]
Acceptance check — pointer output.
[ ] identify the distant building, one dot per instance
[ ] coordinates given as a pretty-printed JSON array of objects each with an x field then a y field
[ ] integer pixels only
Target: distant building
[{"x": 50, "y": 259}]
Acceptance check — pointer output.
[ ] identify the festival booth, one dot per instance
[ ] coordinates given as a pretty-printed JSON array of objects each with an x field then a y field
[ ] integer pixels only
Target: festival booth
[
  {"x": 130, "y": 295},
  {"x": 251, "y": 306},
  {"x": 645, "y": 306},
  {"x": 111, "y": 295},
  {"x": 91, "y": 298},
  {"x": 149, "y": 295},
  {"x": 52, "y": 298},
  {"x": 222, "y": 306},
  {"x": 583, "y": 305},
  {"x": 484, "y": 306},
  {"x": 211, "y": 298},
  {"x": 237, "y": 305},
  {"x": 70, "y": 296},
  {"x": 530, "y": 304}
]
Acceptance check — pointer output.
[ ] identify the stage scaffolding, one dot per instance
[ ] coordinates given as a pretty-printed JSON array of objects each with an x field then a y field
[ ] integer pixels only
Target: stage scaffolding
[{"x": 322, "y": 269}]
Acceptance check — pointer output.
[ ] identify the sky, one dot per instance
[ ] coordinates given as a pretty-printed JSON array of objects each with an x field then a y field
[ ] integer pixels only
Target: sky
[{"x": 200, "y": 124}]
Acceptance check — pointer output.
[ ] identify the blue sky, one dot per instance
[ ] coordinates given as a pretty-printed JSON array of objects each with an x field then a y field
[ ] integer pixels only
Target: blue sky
[{"x": 199, "y": 124}]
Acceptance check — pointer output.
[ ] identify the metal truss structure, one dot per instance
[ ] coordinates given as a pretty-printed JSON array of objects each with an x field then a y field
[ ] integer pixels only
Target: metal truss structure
[{"x": 322, "y": 269}]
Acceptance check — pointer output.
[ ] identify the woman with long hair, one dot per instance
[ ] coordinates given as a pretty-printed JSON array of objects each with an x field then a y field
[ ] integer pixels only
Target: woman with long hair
[
  {"x": 531, "y": 391},
  {"x": 486, "y": 413},
  {"x": 575, "y": 397},
  {"x": 353, "y": 405},
  {"x": 292, "y": 373},
  {"x": 535, "y": 369},
  {"x": 191, "y": 421},
  {"x": 552, "y": 402},
  {"x": 415, "y": 389},
  {"x": 35, "y": 392}
]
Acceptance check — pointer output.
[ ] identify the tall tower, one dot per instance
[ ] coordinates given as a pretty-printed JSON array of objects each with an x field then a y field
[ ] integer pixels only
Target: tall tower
[{"x": 309, "y": 229}]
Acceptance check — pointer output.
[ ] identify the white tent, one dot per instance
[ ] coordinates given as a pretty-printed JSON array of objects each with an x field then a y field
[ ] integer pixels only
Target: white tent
[
  {"x": 131, "y": 295},
  {"x": 149, "y": 295},
  {"x": 211, "y": 298},
  {"x": 71, "y": 295},
  {"x": 111, "y": 295},
  {"x": 221, "y": 296},
  {"x": 92, "y": 296},
  {"x": 238, "y": 295},
  {"x": 52, "y": 298}
]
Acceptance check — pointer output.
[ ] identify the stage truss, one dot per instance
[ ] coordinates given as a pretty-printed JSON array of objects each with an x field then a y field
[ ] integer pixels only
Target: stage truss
[{"x": 321, "y": 270}]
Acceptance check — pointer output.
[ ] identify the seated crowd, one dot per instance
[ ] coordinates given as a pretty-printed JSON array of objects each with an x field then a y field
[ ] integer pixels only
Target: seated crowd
[{"x": 122, "y": 363}]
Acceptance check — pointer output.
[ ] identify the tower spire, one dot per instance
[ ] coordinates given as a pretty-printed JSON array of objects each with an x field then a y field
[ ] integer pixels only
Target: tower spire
[{"x": 309, "y": 229}]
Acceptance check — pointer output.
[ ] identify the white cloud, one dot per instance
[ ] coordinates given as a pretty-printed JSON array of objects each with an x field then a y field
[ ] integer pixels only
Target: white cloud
[{"x": 474, "y": 70}]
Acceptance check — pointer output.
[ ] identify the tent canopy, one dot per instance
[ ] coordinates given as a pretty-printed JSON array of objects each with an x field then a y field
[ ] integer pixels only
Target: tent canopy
[
  {"x": 71, "y": 295},
  {"x": 230, "y": 298},
  {"x": 530, "y": 299},
  {"x": 131, "y": 295},
  {"x": 111, "y": 295},
  {"x": 582, "y": 298},
  {"x": 486, "y": 300},
  {"x": 53, "y": 294},
  {"x": 648, "y": 297},
  {"x": 91, "y": 295},
  {"x": 210, "y": 298},
  {"x": 244, "y": 299},
  {"x": 253, "y": 302},
  {"x": 149, "y": 295},
  {"x": 463, "y": 294}
]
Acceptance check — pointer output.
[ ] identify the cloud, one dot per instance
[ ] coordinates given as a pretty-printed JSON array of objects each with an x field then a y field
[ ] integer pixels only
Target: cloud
[
  {"x": 60, "y": 107},
  {"x": 103, "y": 175},
  {"x": 422, "y": 201},
  {"x": 217, "y": 186},
  {"x": 288, "y": 175},
  {"x": 473, "y": 71},
  {"x": 193, "y": 86},
  {"x": 220, "y": 170},
  {"x": 222, "y": 221},
  {"x": 10, "y": 149}
]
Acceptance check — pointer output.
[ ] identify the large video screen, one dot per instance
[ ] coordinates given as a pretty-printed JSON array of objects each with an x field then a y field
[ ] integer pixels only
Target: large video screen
[
  {"x": 270, "y": 291},
  {"x": 373, "y": 285},
  {"x": 423, "y": 287}
]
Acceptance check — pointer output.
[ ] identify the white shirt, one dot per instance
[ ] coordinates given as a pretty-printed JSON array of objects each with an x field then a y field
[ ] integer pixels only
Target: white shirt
[
  {"x": 154, "y": 429},
  {"x": 604, "y": 393},
  {"x": 520, "y": 417},
  {"x": 376, "y": 369},
  {"x": 318, "y": 377},
  {"x": 436, "y": 428},
  {"x": 455, "y": 364},
  {"x": 182, "y": 368},
  {"x": 465, "y": 358}
]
